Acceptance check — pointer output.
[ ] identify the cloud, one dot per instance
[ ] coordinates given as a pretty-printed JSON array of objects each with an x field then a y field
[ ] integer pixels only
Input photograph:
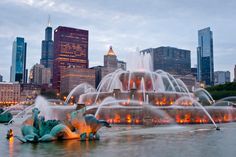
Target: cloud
[{"x": 123, "y": 24}]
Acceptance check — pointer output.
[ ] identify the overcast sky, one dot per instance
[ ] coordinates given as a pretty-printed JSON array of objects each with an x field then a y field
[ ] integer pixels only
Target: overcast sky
[{"x": 124, "y": 24}]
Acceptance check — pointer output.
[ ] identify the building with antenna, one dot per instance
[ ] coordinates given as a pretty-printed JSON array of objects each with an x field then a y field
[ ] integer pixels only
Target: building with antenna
[{"x": 47, "y": 48}]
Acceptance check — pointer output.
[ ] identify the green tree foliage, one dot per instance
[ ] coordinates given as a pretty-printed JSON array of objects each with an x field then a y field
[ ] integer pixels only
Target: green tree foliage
[
  {"x": 49, "y": 94},
  {"x": 221, "y": 91}
]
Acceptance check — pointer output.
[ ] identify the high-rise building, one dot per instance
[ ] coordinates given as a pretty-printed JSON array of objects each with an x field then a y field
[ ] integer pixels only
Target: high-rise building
[
  {"x": 47, "y": 48},
  {"x": 221, "y": 77},
  {"x": 72, "y": 76},
  {"x": 111, "y": 64},
  {"x": 235, "y": 73},
  {"x": 110, "y": 59},
  {"x": 40, "y": 75},
  {"x": 70, "y": 49},
  {"x": 18, "y": 66},
  {"x": 172, "y": 60},
  {"x": 205, "y": 60},
  {"x": 1, "y": 78}
]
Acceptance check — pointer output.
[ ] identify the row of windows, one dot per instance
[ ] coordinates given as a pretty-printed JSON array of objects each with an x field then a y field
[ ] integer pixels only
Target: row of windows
[
  {"x": 173, "y": 53},
  {"x": 72, "y": 54},
  {"x": 71, "y": 60},
  {"x": 74, "y": 36}
]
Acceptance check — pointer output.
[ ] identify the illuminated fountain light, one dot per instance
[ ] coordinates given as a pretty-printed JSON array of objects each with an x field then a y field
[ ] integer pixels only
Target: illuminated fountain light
[{"x": 133, "y": 97}]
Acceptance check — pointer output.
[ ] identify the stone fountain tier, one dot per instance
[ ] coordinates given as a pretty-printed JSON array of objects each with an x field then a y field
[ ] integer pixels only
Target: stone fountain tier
[
  {"x": 140, "y": 115},
  {"x": 154, "y": 97}
]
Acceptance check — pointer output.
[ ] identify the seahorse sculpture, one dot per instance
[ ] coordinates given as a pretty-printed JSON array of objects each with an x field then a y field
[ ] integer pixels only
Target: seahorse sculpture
[{"x": 85, "y": 127}]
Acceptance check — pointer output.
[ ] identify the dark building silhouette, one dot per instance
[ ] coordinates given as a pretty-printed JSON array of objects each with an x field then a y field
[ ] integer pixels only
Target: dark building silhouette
[
  {"x": 173, "y": 60},
  {"x": 70, "y": 49},
  {"x": 98, "y": 74},
  {"x": 47, "y": 48},
  {"x": 194, "y": 72}
]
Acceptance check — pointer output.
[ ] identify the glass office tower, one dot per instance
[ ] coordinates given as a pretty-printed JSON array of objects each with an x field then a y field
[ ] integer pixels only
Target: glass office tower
[
  {"x": 205, "y": 60},
  {"x": 18, "y": 66},
  {"x": 47, "y": 49}
]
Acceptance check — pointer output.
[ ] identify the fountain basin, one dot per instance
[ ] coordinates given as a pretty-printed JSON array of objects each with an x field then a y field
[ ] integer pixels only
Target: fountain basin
[
  {"x": 151, "y": 98},
  {"x": 139, "y": 115}
]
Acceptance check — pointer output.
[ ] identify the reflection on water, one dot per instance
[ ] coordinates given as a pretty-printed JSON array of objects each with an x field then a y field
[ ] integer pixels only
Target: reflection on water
[
  {"x": 11, "y": 147},
  {"x": 70, "y": 147},
  {"x": 195, "y": 140}
]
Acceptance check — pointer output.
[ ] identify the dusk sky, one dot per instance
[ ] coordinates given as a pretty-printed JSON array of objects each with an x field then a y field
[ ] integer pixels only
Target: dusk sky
[{"x": 124, "y": 24}]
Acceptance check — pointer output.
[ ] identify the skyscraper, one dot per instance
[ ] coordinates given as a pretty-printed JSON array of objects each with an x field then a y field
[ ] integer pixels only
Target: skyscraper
[
  {"x": 47, "y": 48},
  {"x": 205, "y": 60},
  {"x": 1, "y": 78},
  {"x": 170, "y": 59},
  {"x": 70, "y": 49},
  {"x": 111, "y": 64},
  {"x": 18, "y": 66},
  {"x": 110, "y": 59}
]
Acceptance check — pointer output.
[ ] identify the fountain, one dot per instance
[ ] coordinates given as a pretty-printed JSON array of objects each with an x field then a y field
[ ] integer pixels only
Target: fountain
[
  {"x": 136, "y": 97},
  {"x": 122, "y": 97},
  {"x": 78, "y": 90}
]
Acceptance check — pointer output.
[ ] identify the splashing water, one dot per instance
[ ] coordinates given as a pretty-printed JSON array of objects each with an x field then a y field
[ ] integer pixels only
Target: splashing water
[
  {"x": 79, "y": 90},
  {"x": 178, "y": 102}
]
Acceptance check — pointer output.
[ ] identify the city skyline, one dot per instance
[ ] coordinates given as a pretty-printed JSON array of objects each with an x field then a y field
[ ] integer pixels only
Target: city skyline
[{"x": 124, "y": 27}]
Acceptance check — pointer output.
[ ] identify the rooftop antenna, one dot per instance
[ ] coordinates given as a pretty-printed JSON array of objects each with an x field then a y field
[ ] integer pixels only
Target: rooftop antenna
[{"x": 49, "y": 21}]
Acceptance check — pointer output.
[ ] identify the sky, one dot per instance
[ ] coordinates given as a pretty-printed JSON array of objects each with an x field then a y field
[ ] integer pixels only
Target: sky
[{"x": 124, "y": 24}]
